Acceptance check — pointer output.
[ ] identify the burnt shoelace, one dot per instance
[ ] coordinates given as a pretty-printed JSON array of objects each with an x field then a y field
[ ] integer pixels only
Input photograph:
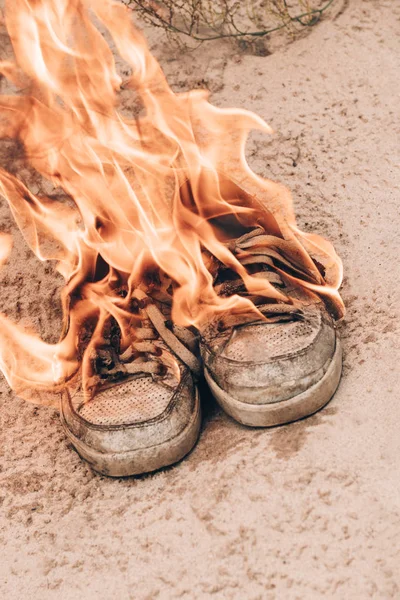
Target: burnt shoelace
[
  {"x": 146, "y": 355},
  {"x": 258, "y": 249}
]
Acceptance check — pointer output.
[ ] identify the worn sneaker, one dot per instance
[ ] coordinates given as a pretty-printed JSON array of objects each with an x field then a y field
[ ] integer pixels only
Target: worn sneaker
[
  {"x": 145, "y": 413},
  {"x": 280, "y": 365}
]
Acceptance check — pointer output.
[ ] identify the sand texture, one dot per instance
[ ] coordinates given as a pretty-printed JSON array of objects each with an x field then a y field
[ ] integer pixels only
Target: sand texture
[{"x": 306, "y": 511}]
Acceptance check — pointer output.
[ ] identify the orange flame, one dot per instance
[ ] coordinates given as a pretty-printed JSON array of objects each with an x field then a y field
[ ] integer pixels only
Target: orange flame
[{"x": 155, "y": 189}]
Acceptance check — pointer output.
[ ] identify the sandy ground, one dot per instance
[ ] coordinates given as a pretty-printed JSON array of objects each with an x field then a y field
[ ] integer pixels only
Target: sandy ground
[{"x": 308, "y": 510}]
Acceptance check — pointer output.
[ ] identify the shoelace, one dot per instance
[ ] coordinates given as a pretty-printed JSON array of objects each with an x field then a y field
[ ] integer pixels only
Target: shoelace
[
  {"x": 144, "y": 355},
  {"x": 268, "y": 248},
  {"x": 258, "y": 248}
]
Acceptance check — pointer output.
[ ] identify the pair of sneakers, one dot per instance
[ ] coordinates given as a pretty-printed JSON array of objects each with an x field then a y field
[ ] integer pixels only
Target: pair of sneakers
[{"x": 270, "y": 365}]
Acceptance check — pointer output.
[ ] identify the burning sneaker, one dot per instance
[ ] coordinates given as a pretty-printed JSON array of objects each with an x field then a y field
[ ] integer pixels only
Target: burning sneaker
[
  {"x": 279, "y": 365},
  {"x": 144, "y": 413}
]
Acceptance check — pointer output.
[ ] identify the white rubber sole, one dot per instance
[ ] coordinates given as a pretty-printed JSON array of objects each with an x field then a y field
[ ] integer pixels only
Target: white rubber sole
[
  {"x": 141, "y": 460},
  {"x": 285, "y": 411}
]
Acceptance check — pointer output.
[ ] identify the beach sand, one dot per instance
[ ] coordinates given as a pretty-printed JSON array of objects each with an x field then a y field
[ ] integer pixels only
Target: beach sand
[{"x": 304, "y": 511}]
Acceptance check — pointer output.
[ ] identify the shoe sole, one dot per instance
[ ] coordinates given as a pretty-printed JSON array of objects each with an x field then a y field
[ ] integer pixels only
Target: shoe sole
[
  {"x": 299, "y": 406},
  {"x": 140, "y": 460}
]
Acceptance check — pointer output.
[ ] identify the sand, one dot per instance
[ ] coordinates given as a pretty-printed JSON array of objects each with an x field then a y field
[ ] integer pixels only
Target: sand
[{"x": 308, "y": 510}]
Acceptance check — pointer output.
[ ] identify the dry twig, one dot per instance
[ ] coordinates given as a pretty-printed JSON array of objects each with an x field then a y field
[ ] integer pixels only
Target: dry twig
[{"x": 199, "y": 21}]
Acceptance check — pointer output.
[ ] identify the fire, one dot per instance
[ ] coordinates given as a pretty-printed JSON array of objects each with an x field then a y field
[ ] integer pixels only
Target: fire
[
  {"x": 5, "y": 247},
  {"x": 163, "y": 189}
]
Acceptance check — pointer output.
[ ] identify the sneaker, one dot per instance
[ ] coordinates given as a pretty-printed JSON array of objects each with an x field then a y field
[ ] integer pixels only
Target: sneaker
[
  {"x": 145, "y": 412},
  {"x": 278, "y": 363}
]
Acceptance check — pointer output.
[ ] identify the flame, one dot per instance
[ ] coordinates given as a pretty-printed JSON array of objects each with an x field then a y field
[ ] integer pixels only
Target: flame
[
  {"x": 158, "y": 189},
  {"x": 6, "y": 243}
]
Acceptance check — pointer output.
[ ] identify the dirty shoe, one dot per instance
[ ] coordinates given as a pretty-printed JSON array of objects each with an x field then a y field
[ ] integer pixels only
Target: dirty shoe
[
  {"x": 145, "y": 413},
  {"x": 277, "y": 368}
]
